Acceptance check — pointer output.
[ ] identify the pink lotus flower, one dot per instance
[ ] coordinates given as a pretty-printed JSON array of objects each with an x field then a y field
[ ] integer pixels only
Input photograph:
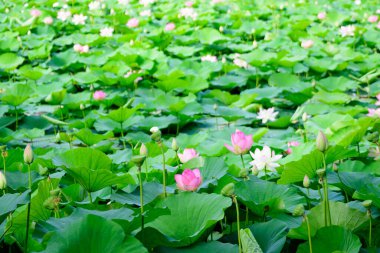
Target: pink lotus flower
[
  {"x": 188, "y": 154},
  {"x": 372, "y": 19},
  {"x": 81, "y": 49},
  {"x": 373, "y": 112},
  {"x": 321, "y": 15},
  {"x": 169, "y": 27},
  {"x": 241, "y": 143},
  {"x": 99, "y": 95},
  {"x": 35, "y": 13},
  {"x": 133, "y": 22},
  {"x": 292, "y": 144},
  {"x": 189, "y": 3},
  {"x": 48, "y": 20},
  {"x": 307, "y": 44},
  {"x": 190, "y": 180},
  {"x": 378, "y": 99}
]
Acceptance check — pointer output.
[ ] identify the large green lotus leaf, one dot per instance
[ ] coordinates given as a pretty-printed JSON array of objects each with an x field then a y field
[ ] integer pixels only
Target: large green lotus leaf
[
  {"x": 85, "y": 77},
  {"x": 213, "y": 169},
  {"x": 340, "y": 83},
  {"x": 17, "y": 94},
  {"x": 10, "y": 61},
  {"x": 89, "y": 138},
  {"x": 122, "y": 114},
  {"x": 332, "y": 97},
  {"x": 259, "y": 57},
  {"x": 270, "y": 235},
  {"x": 332, "y": 239},
  {"x": 88, "y": 158},
  {"x": 93, "y": 234},
  {"x": 9, "y": 202},
  {"x": 341, "y": 215},
  {"x": 182, "y": 51},
  {"x": 287, "y": 82},
  {"x": 213, "y": 246},
  {"x": 209, "y": 36},
  {"x": 191, "y": 215},
  {"x": 259, "y": 195}
]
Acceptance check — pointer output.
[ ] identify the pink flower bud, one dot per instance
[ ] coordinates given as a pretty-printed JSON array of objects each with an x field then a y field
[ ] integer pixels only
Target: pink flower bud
[
  {"x": 372, "y": 19},
  {"x": 169, "y": 27},
  {"x": 133, "y": 22},
  {"x": 188, "y": 154},
  {"x": 35, "y": 13},
  {"x": 321, "y": 15},
  {"x": 307, "y": 44},
  {"x": 189, "y": 3},
  {"x": 99, "y": 95},
  {"x": 189, "y": 180},
  {"x": 241, "y": 143},
  {"x": 48, "y": 20}
]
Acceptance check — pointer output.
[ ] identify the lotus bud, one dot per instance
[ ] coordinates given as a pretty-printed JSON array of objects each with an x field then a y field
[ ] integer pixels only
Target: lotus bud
[
  {"x": 215, "y": 107},
  {"x": 255, "y": 171},
  {"x": 49, "y": 203},
  {"x": 322, "y": 143},
  {"x": 55, "y": 192},
  {"x": 228, "y": 190},
  {"x": 143, "y": 150},
  {"x": 335, "y": 167},
  {"x": 175, "y": 145},
  {"x": 28, "y": 154},
  {"x": 42, "y": 170},
  {"x": 3, "y": 181},
  {"x": 304, "y": 117},
  {"x": 58, "y": 137},
  {"x": 138, "y": 160},
  {"x": 82, "y": 107},
  {"x": 306, "y": 181},
  {"x": 156, "y": 134},
  {"x": 367, "y": 203},
  {"x": 299, "y": 210},
  {"x": 321, "y": 173},
  {"x": 243, "y": 173}
]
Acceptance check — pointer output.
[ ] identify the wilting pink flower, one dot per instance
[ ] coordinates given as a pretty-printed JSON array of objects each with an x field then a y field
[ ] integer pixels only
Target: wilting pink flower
[
  {"x": 81, "y": 49},
  {"x": 321, "y": 15},
  {"x": 189, "y": 3},
  {"x": 133, "y": 22},
  {"x": 373, "y": 112},
  {"x": 241, "y": 143},
  {"x": 99, "y": 95},
  {"x": 190, "y": 180},
  {"x": 35, "y": 13},
  {"x": 188, "y": 154},
  {"x": 373, "y": 19},
  {"x": 292, "y": 144},
  {"x": 169, "y": 27},
  {"x": 378, "y": 99},
  {"x": 307, "y": 44},
  {"x": 48, "y": 20}
]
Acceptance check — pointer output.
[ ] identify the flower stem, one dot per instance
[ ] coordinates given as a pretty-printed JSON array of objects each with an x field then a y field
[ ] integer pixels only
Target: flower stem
[
  {"x": 146, "y": 169},
  {"x": 308, "y": 233},
  {"x": 370, "y": 229},
  {"x": 28, "y": 211},
  {"x": 238, "y": 221},
  {"x": 308, "y": 198},
  {"x": 89, "y": 195},
  {"x": 164, "y": 169},
  {"x": 326, "y": 197},
  {"x": 141, "y": 199},
  {"x": 242, "y": 160}
]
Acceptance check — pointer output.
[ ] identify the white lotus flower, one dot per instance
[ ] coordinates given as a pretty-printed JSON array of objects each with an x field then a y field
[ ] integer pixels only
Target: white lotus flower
[
  {"x": 95, "y": 5},
  {"x": 188, "y": 13},
  {"x": 265, "y": 159},
  {"x": 240, "y": 63},
  {"x": 63, "y": 15},
  {"x": 79, "y": 19},
  {"x": 154, "y": 129},
  {"x": 348, "y": 30},
  {"x": 106, "y": 32},
  {"x": 267, "y": 115},
  {"x": 210, "y": 58},
  {"x": 146, "y": 13}
]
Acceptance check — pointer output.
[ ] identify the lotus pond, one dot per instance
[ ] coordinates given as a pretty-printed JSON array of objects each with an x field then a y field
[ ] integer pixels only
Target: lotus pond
[{"x": 189, "y": 126}]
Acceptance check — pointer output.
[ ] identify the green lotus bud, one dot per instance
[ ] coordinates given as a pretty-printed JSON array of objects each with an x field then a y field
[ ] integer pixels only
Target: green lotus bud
[
  {"x": 28, "y": 154},
  {"x": 49, "y": 203},
  {"x": 215, "y": 107},
  {"x": 255, "y": 171},
  {"x": 175, "y": 145},
  {"x": 321, "y": 142},
  {"x": 335, "y": 167},
  {"x": 228, "y": 190},
  {"x": 138, "y": 160},
  {"x": 321, "y": 173},
  {"x": 304, "y": 117},
  {"x": 82, "y": 107},
  {"x": 3, "y": 181},
  {"x": 55, "y": 192},
  {"x": 143, "y": 150},
  {"x": 299, "y": 210},
  {"x": 42, "y": 170},
  {"x": 58, "y": 137},
  {"x": 367, "y": 203},
  {"x": 243, "y": 173},
  {"x": 156, "y": 134},
  {"x": 306, "y": 181}
]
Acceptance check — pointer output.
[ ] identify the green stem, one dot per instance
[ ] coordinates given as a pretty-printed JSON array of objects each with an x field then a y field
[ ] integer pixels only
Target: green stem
[
  {"x": 89, "y": 195},
  {"x": 308, "y": 198},
  {"x": 238, "y": 221},
  {"x": 164, "y": 169},
  {"x": 242, "y": 160},
  {"x": 141, "y": 199},
  {"x": 84, "y": 120},
  {"x": 146, "y": 169},
  {"x": 122, "y": 135},
  {"x": 28, "y": 211},
  {"x": 16, "y": 117},
  {"x": 308, "y": 233},
  {"x": 4, "y": 166},
  {"x": 326, "y": 192},
  {"x": 370, "y": 229}
]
